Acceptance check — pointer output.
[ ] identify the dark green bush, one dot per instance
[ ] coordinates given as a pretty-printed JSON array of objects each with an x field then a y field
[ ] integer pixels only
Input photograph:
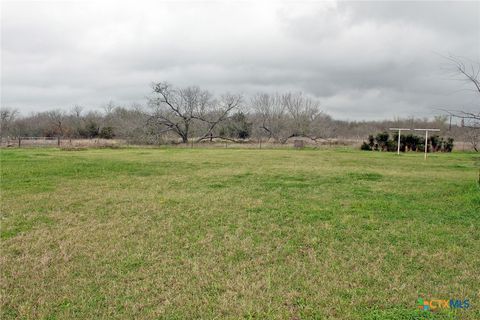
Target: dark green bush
[
  {"x": 382, "y": 140},
  {"x": 448, "y": 145},
  {"x": 371, "y": 141},
  {"x": 90, "y": 130},
  {"x": 435, "y": 143},
  {"x": 237, "y": 127},
  {"x": 106, "y": 133},
  {"x": 365, "y": 146},
  {"x": 408, "y": 142},
  {"x": 392, "y": 145}
]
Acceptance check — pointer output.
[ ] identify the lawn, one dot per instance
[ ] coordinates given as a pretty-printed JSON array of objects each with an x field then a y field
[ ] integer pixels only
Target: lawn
[{"x": 225, "y": 233}]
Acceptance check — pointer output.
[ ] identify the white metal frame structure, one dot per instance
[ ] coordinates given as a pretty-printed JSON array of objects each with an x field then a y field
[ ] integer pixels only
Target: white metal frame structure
[
  {"x": 399, "y": 133},
  {"x": 426, "y": 138}
]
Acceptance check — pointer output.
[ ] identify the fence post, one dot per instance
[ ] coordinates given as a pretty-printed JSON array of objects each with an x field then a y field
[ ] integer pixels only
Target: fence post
[
  {"x": 58, "y": 141},
  {"x": 19, "y": 142}
]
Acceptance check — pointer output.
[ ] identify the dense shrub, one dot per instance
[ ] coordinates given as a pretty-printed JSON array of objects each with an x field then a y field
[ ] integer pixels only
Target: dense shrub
[
  {"x": 237, "y": 127},
  {"x": 371, "y": 142},
  {"x": 90, "y": 130},
  {"x": 106, "y": 133},
  {"x": 448, "y": 145},
  {"x": 408, "y": 142},
  {"x": 412, "y": 142},
  {"x": 382, "y": 140},
  {"x": 366, "y": 146}
]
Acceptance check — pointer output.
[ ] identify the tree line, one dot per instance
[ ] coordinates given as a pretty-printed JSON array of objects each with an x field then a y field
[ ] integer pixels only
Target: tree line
[{"x": 184, "y": 114}]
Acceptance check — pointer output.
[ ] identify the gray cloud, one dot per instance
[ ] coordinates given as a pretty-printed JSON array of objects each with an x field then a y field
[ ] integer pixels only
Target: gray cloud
[{"x": 363, "y": 60}]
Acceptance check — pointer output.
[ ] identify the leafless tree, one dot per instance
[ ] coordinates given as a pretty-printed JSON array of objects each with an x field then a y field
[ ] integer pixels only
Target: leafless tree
[
  {"x": 175, "y": 109},
  {"x": 109, "y": 107},
  {"x": 469, "y": 73},
  {"x": 307, "y": 120},
  {"x": 271, "y": 115},
  {"x": 129, "y": 123},
  {"x": 283, "y": 116},
  {"x": 7, "y": 117},
  {"x": 56, "y": 119},
  {"x": 77, "y": 111},
  {"x": 217, "y": 112},
  {"x": 181, "y": 110}
]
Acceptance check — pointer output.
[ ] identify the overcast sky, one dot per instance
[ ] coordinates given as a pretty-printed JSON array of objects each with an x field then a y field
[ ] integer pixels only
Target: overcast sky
[{"x": 362, "y": 60}]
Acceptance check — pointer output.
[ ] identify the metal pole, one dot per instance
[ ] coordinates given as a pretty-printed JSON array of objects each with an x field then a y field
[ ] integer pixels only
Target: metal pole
[
  {"x": 399, "y": 133},
  {"x": 426, "y": 139},
  {"x": 426, "y": 143},
  {"x": 398, "y": 148}
]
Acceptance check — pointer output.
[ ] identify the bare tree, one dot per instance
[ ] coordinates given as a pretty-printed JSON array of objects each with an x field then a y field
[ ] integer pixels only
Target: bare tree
[
  {"x": 469, "y": 73},
  {"x": 7, "y": 117},
  {"x": 288, "y": 115},
  {"x": 306, "y": 116},
  {"x": 77, "y": 111},
  {"x": 130, "y": 122},
  {"x": 109, "y": 107},
  {"x": 175, "y": 109},
  {"x": 56, "y": 119},
  {"x": 472, "y": 135},
  {"x": 271, "y": 115},
  {"x": 217, "y": 112},
  {"x": 181, "y": 110}
]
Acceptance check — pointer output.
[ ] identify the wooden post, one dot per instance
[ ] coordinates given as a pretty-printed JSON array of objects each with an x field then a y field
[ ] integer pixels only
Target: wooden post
[{"x": 19, "y": 142}]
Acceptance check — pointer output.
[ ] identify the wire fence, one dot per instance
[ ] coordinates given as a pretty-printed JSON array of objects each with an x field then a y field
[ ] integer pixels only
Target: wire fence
[{"x": 21, "y": 142}]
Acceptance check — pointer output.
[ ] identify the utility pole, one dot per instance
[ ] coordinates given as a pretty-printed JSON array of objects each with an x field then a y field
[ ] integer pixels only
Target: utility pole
[
  {"x": 426, "y": 138},
  {"x": 399, "y": 133}
]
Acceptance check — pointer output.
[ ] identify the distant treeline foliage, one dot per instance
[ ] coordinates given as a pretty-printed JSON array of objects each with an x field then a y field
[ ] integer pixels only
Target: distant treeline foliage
[
  {"x": 190, "y": 114},
  {"x": 408, "y": 142}
]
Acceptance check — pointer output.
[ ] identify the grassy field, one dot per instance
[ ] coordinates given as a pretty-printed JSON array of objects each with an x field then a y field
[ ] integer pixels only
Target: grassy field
[{"x": 215, "y": 233}]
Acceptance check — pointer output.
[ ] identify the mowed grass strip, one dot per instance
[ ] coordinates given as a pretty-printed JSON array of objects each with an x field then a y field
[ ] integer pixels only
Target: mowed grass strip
[{"x": 209, "y": 233}]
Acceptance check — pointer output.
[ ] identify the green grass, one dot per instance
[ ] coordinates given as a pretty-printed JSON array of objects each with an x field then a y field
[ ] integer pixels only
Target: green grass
[{"x": 209, "y": 233}]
